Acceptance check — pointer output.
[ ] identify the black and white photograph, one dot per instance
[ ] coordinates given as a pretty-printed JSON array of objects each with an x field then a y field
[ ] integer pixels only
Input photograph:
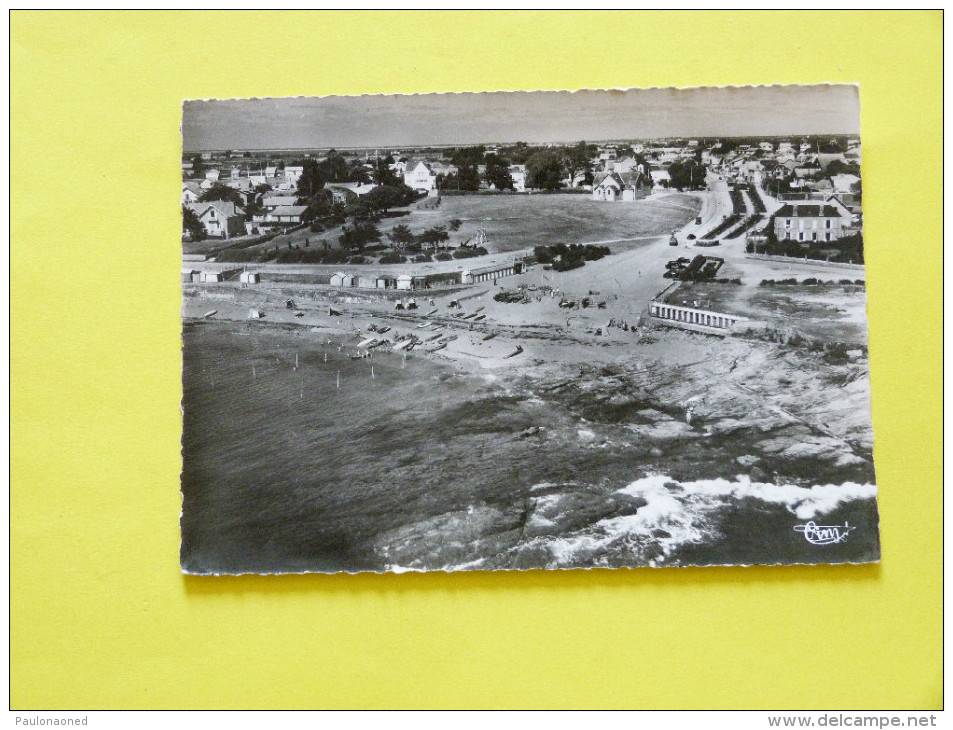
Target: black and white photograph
[{"x": 525, "y": 330}]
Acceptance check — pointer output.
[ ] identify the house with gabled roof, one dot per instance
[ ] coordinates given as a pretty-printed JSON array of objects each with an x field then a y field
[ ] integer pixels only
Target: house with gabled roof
[
  {"x": 621, "y": 186},
  {"x": 810, "y": 221},
  {"x": 345, "y": 192},
  {"x": 844, "y": 182},
  {"x": 420, "y": 176},
  {"x": 287, "y": 215},
  {"x": 219, "y": 218},
  {"x": 191, "y": 192}
]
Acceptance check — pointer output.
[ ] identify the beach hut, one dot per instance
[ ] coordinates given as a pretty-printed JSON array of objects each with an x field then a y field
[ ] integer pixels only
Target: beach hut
[
  {"x": 349, "y": 280},
  {"x": 385, "y": 281},
  {"x": 337, "y": 278},
  {"x": 367, "y": 282},
  {"x": 255, "y": 313},
  {"x": 188, "y": 275},
  {"x": 405, "y": 282},
  {"x": 249, "y": 277},
  {"x": 210, "y": 277}
]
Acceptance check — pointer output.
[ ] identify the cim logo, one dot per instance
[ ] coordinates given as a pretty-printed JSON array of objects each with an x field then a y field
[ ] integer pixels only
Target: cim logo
[{"x": 824, "y": 534}]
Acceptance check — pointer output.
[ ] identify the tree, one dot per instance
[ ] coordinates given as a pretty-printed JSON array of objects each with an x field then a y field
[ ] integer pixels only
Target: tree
[
  {"x": 687, "y": 175},
  {"x": 400, "y": 237},
  {"x": 576, "y": 160},
  {"x": 455, "y": 224},
  {"x": 839, "y": 167},
  {"x": 359, "y": 235},
  {"x": 433, "y": 237},
  {"x": 498, "y": 173},
  {"x": 545, "y": 170},
  {"x": 858, "y": 191},
  {"x": 198, "y": 166},
  {"x": 312, "y": 179},
  {"x": 219, "y": 191},
  {"x": 467, "y": 156},
  {"x": 383, "y": 175},
  {"x": 468, "y": 178},
  {"x": 518, "y": 152},
  {"x": 358, "y": 173},
  {"x": 192, "y": 227},
  {"x": 384, "y": 197},
  {"x": 335, "y": 167},
  {"x": 253, "y": 207}
]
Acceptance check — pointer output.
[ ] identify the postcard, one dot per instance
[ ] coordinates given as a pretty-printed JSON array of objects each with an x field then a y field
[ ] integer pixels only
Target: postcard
[{"x": 525, "y": 330}]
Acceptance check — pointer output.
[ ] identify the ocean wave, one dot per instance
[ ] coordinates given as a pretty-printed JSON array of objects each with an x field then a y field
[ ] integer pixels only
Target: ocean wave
[
  {"x": 804, "y": 502},
  {"x": 672, "y": 514}
]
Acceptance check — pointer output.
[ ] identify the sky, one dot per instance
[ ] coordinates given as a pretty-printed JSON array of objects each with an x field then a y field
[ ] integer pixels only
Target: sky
[{"x": 534, "y": 117}]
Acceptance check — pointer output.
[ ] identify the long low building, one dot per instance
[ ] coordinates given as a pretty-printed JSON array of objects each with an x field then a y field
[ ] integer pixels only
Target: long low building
[
  {"x": 399, "y": 278},
  {"x": 488, "y": 273},
  {"x": 697, "y": 319}
]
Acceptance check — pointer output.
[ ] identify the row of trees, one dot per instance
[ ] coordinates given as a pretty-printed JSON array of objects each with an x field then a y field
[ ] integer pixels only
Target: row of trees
[
  {"x": 547, "y": 168},
  {"x": 402, "y": 238},
  {"x": 359, "y": 234},
  {"x": 336, "y": 168}
]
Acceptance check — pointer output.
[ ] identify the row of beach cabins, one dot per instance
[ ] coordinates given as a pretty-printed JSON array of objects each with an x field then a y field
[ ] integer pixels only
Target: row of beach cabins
[{"x": 344, "y": 280}]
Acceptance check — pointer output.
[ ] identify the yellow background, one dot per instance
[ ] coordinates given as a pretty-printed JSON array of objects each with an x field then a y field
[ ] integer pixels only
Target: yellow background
[{"x": 100, "y": 615}]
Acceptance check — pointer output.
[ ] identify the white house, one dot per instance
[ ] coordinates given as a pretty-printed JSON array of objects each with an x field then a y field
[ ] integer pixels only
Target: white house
[
  {"x": 219, "y": 218},
  {"x": 810, "y": 221},
  {"x": 620, "y": 186},
  {"x": 212, "y": 175},
  {"x": 190, "y": 192},
  {"x": 518, "y": 174},
  {"x": 419, "y": 176},
  {"x": 659, "y": 175},
  {"x": 842, "y": 183},
  {"x": 293, "y": 173}
]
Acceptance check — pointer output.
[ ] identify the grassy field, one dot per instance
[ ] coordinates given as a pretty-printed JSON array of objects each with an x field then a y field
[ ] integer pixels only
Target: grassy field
[{"x": 522, "y": 221}]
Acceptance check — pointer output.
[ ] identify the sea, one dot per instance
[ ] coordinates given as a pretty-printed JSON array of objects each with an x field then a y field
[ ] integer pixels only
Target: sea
[{"x": 298, "y": 458}]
